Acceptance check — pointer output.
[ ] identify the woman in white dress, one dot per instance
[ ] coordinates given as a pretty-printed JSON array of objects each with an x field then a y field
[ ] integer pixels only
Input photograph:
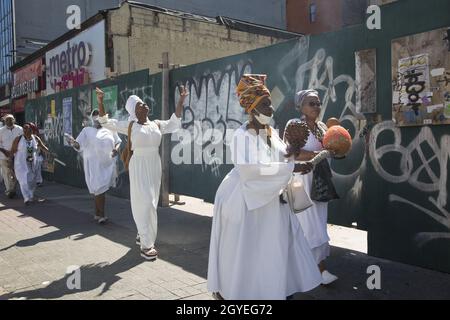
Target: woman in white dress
[
  {"x": 39, "y": 158},
  {"x": 24, "y": 150},
  {"x": 257, "y": 248},
  {"x": 99, "y": 147},
  {"x": 145, "y": 164},
  {"x": 314, "y": 220}
]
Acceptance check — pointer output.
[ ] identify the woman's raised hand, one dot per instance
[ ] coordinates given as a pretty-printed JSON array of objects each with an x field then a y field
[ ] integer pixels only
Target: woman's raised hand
[
  {"x": 100, "y": 94},
  {"x": 184, "y": 93}
]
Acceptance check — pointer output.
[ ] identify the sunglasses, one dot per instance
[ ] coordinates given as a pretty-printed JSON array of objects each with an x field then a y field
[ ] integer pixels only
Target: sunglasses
[{"x": 314, "y": 104}]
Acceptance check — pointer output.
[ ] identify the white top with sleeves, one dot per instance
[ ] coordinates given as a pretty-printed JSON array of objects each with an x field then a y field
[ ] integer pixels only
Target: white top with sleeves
[{"x": 146, "y": 135}]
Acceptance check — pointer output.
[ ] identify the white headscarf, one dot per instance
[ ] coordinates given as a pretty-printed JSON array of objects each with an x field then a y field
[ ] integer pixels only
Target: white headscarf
[
  {"x": 93, "y": 118},
  {"x": 131, "y": 107},
  {"x": 301, "y": 95}
]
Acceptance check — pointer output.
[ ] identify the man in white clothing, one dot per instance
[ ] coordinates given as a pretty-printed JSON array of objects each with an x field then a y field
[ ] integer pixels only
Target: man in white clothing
[{"x": 8, "y": 134}]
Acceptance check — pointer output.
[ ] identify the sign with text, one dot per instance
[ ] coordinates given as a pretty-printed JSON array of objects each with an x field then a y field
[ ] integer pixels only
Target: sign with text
[
  {"x": 78, "y": 61},
  {"x": 27, "y": 79}
]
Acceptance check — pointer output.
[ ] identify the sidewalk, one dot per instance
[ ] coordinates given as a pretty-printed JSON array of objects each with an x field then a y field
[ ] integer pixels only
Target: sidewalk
[{"x": 38, "y": 244}]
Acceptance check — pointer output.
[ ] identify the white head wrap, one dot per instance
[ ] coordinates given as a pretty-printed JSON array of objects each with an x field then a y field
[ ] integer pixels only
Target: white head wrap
[
  {"x": 301, "y": 95},
  {"x": 94, "y": 118},
  {"x": 131, "y": 107}
]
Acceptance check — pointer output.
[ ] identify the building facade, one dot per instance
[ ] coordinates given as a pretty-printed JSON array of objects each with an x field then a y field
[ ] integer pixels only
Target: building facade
[
  {"x": 134, "y": 36},
  {"x": 6, "y": 40},
  {"x": 27, "y": 26},
  {"x": 138, "y": 35},
  {"x": 265, "y": 12},
  {"x": 6, "y": 52},
  {"x": 318, "y": 16}
]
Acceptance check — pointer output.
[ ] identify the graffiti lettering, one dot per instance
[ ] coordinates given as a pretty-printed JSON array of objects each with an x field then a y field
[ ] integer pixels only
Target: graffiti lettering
[
  {"x": 412, "y": 84},
  {"x": 411, "y": 170}
]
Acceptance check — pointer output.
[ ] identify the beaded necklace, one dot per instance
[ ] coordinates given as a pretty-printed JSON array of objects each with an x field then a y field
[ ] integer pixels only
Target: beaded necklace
[
  {"x": 317, "y": 132},
  {"x": 30, "y": 150}
]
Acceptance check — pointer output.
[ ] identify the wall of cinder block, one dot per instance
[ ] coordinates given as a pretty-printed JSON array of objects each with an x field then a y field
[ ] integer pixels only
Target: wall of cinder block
[{"x": 139, "y": 37}]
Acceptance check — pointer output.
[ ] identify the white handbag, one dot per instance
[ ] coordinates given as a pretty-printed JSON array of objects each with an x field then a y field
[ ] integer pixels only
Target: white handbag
[{"x": 296, "y": 195}]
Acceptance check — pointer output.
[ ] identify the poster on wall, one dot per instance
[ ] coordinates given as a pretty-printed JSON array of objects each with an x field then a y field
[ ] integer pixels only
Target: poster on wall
[
  {"x": 109, "y": 101},
  {"x": 85, "y": 105},
  {"x": 366, "y": 81},
  {"x": 48, "y": 163},
  {"x": 420, "y": 79},
  {"x": 67, "y": 117},
  {"x": 53, "y": 109}
]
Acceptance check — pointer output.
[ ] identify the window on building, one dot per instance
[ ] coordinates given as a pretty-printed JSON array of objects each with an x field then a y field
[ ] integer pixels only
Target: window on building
[{"x": 312, "y": 12}]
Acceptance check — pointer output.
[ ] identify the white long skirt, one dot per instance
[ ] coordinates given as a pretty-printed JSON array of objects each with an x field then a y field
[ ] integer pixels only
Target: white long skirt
[
  {"x": 314, "y": 224},
  {"x": 145, "y": 183},
  {"x": 259, "y": 254},
  {"x": 26, "y": 175},
  {"x": 100, "y": 175}
]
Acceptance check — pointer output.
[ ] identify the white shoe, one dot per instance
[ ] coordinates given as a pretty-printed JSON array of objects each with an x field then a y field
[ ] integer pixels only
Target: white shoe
[
  {"x": 102, "y": 220},
  {"x": 328, "y": 278}
]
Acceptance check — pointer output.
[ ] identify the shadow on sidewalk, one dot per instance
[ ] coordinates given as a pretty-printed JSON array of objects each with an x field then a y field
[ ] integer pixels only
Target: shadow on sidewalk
[
  {"x": 183, "y": 240},
  {"x": 93, "y": 276}
]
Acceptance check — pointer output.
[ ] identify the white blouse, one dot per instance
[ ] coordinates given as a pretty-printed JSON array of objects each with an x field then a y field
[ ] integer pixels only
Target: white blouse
[{"x": 146, "y": 135}]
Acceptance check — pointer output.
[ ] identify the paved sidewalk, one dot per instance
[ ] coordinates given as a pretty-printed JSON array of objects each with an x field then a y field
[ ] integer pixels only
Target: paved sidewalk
[{"x": 38, "y": 244}]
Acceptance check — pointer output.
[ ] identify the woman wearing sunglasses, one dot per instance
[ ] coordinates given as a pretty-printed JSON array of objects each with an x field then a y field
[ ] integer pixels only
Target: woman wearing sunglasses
[{"x": 314, "y": 219}]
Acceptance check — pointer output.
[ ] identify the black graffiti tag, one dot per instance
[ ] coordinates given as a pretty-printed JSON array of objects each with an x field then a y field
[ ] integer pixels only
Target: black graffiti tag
[
  {"x": 446, "y": 79},
  {"x": 413, "y": 88}
]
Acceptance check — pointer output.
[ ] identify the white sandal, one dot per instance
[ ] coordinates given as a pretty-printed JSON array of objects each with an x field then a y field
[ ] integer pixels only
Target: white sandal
[{"x": 149, "y": 254}]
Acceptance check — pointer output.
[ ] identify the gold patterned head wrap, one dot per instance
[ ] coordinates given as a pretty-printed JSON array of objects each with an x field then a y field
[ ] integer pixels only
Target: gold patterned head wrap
[{"x": 251, "y": 90}]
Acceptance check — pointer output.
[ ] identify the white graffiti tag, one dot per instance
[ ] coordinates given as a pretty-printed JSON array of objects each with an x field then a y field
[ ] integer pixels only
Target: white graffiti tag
[
  {"x": 411, "y": 170},
  {"x": 443, "y": 218}
]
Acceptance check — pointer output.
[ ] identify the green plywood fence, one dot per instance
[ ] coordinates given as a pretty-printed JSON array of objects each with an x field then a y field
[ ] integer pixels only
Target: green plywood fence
[
  {"x": 406, "y": 220},
  {"x": 83, "y": 99}
]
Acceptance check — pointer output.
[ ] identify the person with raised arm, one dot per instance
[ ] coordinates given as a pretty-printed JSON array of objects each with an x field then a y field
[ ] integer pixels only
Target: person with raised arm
[{"x": 145, "y": 163}]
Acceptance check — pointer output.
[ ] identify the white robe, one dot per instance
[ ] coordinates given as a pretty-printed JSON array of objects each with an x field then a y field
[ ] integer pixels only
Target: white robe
[
  {"x": 145, "y": 171},
  {"x": 26, "y": 172},
  {"x": 100, "y": 169},
  {"x": 314, "y": 220},
  {"x": 257, "y": 248}
]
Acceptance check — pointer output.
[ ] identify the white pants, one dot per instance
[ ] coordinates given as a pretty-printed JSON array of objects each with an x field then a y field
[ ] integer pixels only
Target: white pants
[{"x": 8, "y": 177}]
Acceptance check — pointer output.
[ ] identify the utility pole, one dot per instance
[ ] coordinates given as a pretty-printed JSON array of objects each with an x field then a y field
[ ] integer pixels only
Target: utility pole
[{"x": 165, "y": 144}]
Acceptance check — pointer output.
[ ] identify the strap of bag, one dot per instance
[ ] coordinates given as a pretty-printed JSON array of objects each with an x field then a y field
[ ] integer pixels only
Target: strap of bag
[{"x": 130, "y": 126}]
